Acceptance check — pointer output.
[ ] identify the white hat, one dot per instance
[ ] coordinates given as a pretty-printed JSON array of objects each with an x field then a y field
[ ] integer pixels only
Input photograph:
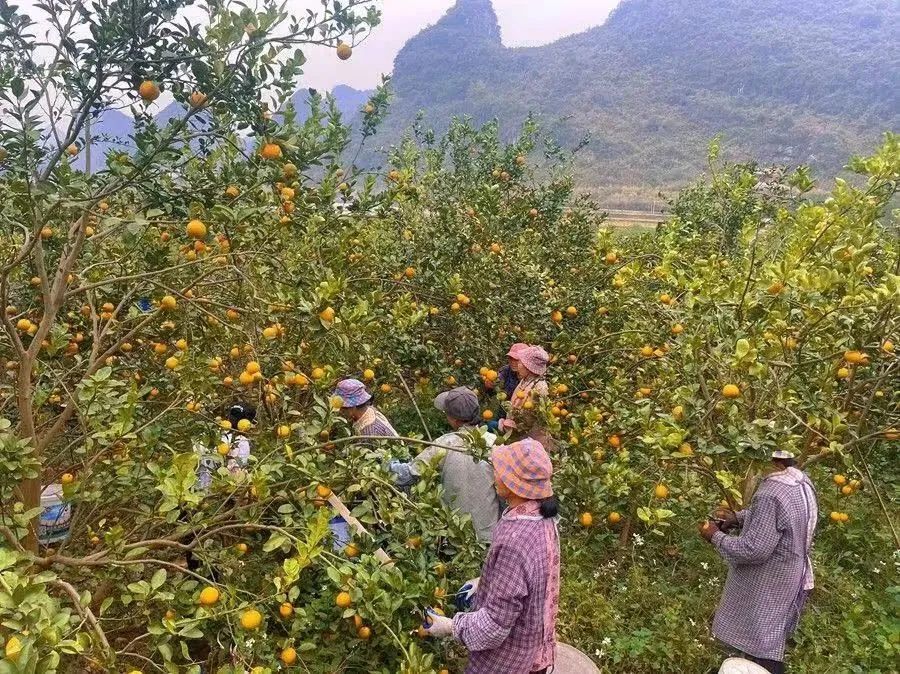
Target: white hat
[
  {"x": 782, "y": 454},
  {"x": 741, "y": 666}
]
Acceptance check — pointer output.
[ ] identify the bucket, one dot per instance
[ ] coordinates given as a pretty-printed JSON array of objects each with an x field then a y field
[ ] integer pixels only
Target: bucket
[
  {"x": 570, "y": 660},
  {"x": 55, "y": 515},
  {"x": 340, "y": 532}
]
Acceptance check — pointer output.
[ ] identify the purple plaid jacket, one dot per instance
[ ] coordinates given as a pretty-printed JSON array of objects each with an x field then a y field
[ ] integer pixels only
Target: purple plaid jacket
[
  {"x": 513, "y": 627},
  {"x": 767, "y": 569}
]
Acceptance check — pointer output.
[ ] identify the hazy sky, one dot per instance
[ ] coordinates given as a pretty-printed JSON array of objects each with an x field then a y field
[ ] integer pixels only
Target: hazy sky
[{"x": 523, "y": 23}]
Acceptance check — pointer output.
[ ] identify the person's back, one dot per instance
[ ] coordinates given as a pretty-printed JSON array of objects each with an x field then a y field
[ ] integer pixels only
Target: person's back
[
  {"x": 469, "y": 485},
  {"x": 523, "y": 552},
  {"x": 769, "y": 570}
]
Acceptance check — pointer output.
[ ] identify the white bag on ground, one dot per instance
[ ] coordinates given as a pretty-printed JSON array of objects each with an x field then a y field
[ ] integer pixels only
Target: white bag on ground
[{"x": 741, "y": 666}]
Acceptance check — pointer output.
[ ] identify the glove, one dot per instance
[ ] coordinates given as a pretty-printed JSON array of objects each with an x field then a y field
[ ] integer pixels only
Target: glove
[
  {"x": 708, "y": 530},
  {"x": 438, "y": 626},
  {"x": 728, "y": 517},
  {"x": 466, "y": 594}
]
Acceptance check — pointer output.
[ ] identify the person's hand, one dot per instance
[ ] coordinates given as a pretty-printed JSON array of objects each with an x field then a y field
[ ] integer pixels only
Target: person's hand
[
  {"x": 708, "y": 530},
  {"x": 466, "y": 594},
  {"x": 728, "y": 517},
  {"x": 438, "y": 626},
  {"x": 488, "y": 384},
  {"x": 507, "y": 424}
]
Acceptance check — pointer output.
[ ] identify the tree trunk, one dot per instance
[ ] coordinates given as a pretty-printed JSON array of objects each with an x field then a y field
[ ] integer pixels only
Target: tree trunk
[{"x": 31, "y": 487}]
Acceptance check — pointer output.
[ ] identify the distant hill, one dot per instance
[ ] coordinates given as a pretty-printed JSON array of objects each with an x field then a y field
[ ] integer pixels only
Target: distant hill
[
  {"x": 112, "y": 130},
  {"x": 783, "y": 81}
]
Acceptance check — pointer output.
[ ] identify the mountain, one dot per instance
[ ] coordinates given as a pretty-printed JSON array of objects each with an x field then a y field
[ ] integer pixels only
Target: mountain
[{"x": 783, "y": 81}]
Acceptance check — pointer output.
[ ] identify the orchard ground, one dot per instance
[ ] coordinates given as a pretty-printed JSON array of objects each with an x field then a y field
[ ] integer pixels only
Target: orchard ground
[{"x": 141, "y": 301}]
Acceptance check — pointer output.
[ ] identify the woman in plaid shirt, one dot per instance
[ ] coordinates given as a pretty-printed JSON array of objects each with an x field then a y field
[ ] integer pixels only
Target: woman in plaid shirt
[{"x": 512, "y": 629}]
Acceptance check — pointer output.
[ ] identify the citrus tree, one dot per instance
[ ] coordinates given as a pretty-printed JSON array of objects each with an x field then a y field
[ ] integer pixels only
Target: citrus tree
[{"x": 236, "y": 255}]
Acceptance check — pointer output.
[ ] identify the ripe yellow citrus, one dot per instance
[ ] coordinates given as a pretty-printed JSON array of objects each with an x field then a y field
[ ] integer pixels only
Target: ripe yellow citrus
[
  {"x": 288, "y": 656},
  {"x": 661, "y": 491},
  {"x": 840, "y": 480},
  {"x": 270, "y": 151},
  {"x": 253, "y": 367},
  {"x": 854, "y": 357},
  {"x": 614, "y": 518},
  {"x": 487, "y": 415},
  {"x": 731, "y": 391},
  {"x": 196, "y": 229},
  {"x": 343, "y": 600},
  {"x": 351, "y": 551},
  {"x": 571, "y": 312},
  {"x": 678, "y": 412},
  {"x": 172, "y": 362},
  {"x": 556, "y": 316},
  {"x": 615, "y": 441},
  {"x": 284, "y": 431},
  {"x": 251, "y": 619},
  {"x": 344, "y": 51},
  {"x": 647, "y": 351},
  {"x": 843, "y": 373},
  {"x": 67, "y": 478},
  {"x": 677, "y": 329},
  {"x": 327, "y": 314},
  {"x": 846, "y": 490},
  {"x": 197, "y": 99},
  {"x": 149, "y": 91},
  {"x": 364, "y": 632},
  {"x": 368, "y": 375},
  {"x": 317, "y": 373},
  {"x": 208, "y": 596},
  {"x": 286, "y": 610},
  {"x": 244, "y": 425},
  {"x": 586, "y": 519},
  {"x": 324, "y": 491},
  {"x": 168, "y": 303},
  {"x": 385, "y": 388}
]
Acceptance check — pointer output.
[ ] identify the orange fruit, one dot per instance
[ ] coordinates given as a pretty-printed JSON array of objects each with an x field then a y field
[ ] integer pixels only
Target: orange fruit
[
  {"x": 208, "y": 596},
  {"x": 344, "y": 51},
  {"x": 149, "y": 91},
  {"x": 586, "y": 519},
  {"x": 571, "y": 312},
  {"x": 661, "y": 491},
  {"x": 615, "y": 441},
  {"x": 343, "y": 600},
  {"x": 288, "y": 656},
  {"x": 614, "y": 518},
  {"x": 327, "y": 314},
  {"x": 854, "y": 357},
  {"x": 251, "y": 619},
  {"x": 196, "y": 229},
  {"x": 286, "y": 610},
  {"x": 323, "y": 491},
  {"x": 731, "y": 391},
  {"x": 67, "y": 478},
  {"x": 270, "y": 151},
  {"x": 840, "y": 480},
  {"x": 364, "y": 632},
  {"x": 487, "y": 415},
  {"x": 197, "y": 99}
]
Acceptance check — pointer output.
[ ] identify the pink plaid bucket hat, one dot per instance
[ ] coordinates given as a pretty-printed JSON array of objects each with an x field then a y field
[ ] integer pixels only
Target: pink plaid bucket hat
[
  {"x": 525, "y": 468},
  {"x": 516, "y": 350},
  {"x": 535, "y": 360}
]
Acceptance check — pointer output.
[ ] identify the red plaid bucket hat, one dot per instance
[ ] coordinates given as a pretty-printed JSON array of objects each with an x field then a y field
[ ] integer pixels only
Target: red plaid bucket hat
[{"x": 525, "y": 468}]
